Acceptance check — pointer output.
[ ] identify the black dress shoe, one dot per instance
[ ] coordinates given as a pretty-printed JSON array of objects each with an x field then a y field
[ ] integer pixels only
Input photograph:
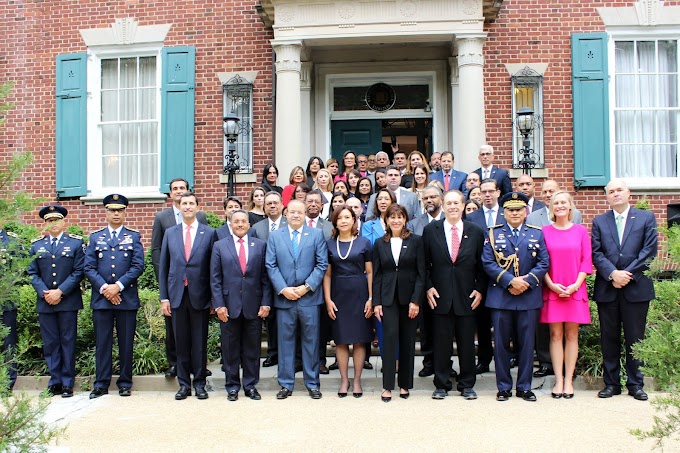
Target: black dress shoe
[
  {"x": 183, "y": 392},
  {"x": 55, "y": 389},
  {"x": 314, "y": 393},
  {"x": 283, "y": 393},
  {"x": 425, "y": 372},
  {"x": 637, "y": 393},
  {"x": 253, "y": 394},
  {"x": 544, "y": 371},
  {"x": 439, "y": 394},
  {"x": 96, "y": 393},
  {"x": 368, "y": 365},
  {"x": 269, "y": 361},
  {"x": 201, "y": 393},
  {"x": 323, "y": 369},
  {"x": 608, "y": 391},
  {"x": 208, "y": 372},
  {"x": 513, "y": 362},
  {"x": 125, "y": 391},
  {"x": 526, "y": 395},
  {"x": 232, "y": 395},
  {"x": 479, "y": 368},
  {"x": 468, "y": 394},
  {"x": 334, "y": 366},
  {"x": 171, "y": 372},
  {"x": 503, "y": 395},
  {"x": 67, "y": 392}
]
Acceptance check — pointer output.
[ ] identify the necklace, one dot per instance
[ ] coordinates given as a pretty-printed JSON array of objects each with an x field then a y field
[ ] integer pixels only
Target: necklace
[{"x": 337, "y": 248}]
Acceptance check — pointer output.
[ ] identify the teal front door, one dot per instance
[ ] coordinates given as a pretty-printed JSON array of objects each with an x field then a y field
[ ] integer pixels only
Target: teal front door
[{"x": 361, "y": 136}]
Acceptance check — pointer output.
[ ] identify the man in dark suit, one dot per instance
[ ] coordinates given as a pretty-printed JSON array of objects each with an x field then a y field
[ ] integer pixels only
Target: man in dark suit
[
  {"x": 229, "y": 204},
  {"x": 56, "y": 273},
  {"x": 405, "y": 197},
  {"x": 432, "y": 201},
  {"x": 449, "y": 178},
  {"x": 515, "y": 260},
  {"x": 273, "y": 206},
  {"x": 488, "y": 170},
  {"x": 490, "y": 214},
  {"x": 625, "y": 240},
  {"x": 525, "y": 184},
  {"x": 297, "y": 258},
  {"x": 162, "y": 221},
  {"x": 185, "y": 294},
  {"x": 241, "y": 295},
  {"x": 114, "y": 260},
  {"x": 453, "y": 256}
]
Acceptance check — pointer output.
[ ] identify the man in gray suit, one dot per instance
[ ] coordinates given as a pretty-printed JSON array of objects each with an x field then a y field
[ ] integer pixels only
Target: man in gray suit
[
  {"x": 405, "y": 197},
  {"x": 540, "y": 217},
  {"x": 273, "y": 206},
  {"x": 432, "y": 201},
  {"x": 165, "y": 219}
]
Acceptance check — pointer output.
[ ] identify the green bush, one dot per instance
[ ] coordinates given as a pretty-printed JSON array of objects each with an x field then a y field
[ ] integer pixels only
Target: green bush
[
  {"x": 148, "y": 278},
  {"x": 214, "y": 221}
]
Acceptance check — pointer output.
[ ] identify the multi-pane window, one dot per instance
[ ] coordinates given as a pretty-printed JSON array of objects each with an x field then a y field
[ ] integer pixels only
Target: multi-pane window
[
  {"x": 527, "y": 91},
  {"x": 129, "y": 122},
  {"x": 646, "y": 108},
  {"x": 238, "y": 99}
]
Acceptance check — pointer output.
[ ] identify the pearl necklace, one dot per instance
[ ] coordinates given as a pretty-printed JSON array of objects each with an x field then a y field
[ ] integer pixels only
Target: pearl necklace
[{"x": 337, "y": 248}]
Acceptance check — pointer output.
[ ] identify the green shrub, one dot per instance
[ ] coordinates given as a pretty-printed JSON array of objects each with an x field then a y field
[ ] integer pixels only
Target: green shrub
[
  {"x": 148, "y": 278},
  {"x": 214, "y": 220}
]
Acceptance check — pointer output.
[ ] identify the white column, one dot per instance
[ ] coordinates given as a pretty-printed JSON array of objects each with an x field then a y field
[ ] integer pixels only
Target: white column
[
  {"x": 470, "y": 130},
  {"x": 288, "y": 140},
  {"x": 454, "y": 138},
  {"x": 306, "y": 109}
]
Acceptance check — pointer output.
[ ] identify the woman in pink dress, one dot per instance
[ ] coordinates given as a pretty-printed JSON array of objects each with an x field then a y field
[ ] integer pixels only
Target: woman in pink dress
[{"x": 565, "y": 296}]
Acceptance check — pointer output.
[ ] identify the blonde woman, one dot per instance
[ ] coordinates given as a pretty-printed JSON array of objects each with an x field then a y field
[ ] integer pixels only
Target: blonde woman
[{"x": 324, "y": 183}]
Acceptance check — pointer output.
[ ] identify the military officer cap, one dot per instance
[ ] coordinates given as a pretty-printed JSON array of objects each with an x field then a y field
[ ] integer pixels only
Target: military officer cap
[
  {"x": 514, "y": 200},
  {"x": 53, "y": 211},
  {"x": 115, "y": 201}
]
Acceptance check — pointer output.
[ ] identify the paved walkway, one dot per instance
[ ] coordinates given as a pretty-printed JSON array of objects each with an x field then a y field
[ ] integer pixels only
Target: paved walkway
[{"x": 152, "y": 420}]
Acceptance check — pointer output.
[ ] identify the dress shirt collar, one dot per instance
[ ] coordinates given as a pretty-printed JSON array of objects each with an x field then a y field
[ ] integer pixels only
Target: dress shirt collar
[
  {"x": 117, "y": 230},
  {"x": 290, "y": 230},
  {"x": 624, "y": 213},
  {"x": 52, "y": 237},
  {"x": 458, "y": 225}
]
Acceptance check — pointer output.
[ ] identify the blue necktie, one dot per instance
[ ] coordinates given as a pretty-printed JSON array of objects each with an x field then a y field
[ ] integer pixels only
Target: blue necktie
[
  {"x": 295, "y": 244},
  {"x": 54, "y": 245}
]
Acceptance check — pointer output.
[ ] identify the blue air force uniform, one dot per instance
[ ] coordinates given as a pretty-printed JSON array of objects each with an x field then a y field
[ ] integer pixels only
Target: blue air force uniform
[
  {"x": 8, "y": 310},
  {"x": 58, "y": 264},
  {"x": 114, "y": 257},
  {"x": 506, "y": 256}
]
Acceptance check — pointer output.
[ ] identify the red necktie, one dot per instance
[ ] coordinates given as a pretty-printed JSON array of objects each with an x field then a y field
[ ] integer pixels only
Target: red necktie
[
  {"x": 187, "y": 249},
  {"x": 311, "y": 223},
  {"x": 446, "y": 182},
  {"x": 455, "y": 244},
  {"x": 242, "y": 256}
]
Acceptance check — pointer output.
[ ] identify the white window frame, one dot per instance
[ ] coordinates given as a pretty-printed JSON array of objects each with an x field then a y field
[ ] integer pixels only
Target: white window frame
[
  {"x": 636, "y": 34},
  {"x": 94, "y": 131}
]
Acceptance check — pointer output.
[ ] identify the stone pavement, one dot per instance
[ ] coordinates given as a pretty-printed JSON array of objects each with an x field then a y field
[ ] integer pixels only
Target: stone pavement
[{"x": 152, "y": 420}]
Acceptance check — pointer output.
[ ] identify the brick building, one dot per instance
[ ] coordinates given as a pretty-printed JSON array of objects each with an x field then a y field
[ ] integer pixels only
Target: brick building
[{"x": 125, "y": 95}]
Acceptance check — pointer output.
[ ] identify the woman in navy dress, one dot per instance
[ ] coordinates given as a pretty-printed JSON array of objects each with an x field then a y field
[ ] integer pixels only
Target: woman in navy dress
[{"x": 347, "y": 288}]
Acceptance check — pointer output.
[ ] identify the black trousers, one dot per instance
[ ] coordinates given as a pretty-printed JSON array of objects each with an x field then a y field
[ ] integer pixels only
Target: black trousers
[
  {"x": 543, "y": 345},
  {"x": 170, "y": 349},
  {"x": 484, "y": 346},
  {"x": 444, "y": 327},
  {"x": 272, "y": 340},
  {"x": 125, "y": 322},
  {"x": 633, "y": 317},
  {"x": 241, "y": 339},
  {"x": 426, "y": 336},
  {"x": 191, "y": 339},
  {"x": 399, "y": 333}
]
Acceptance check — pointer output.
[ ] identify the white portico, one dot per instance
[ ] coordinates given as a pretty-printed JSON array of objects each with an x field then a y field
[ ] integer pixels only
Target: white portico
[{"x": 428, "y": 52}]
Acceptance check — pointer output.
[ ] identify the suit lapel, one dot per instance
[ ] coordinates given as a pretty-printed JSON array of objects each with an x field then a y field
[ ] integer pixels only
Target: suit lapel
[
  {"x": 629, "y": 225},
  {"x": 200, "y": 232},
  {"x": 232, "y": 247},
  {"x": 611, "y": 224},
  {"x": 252, "y": 252},
  {"x": 440, "y": 237}
]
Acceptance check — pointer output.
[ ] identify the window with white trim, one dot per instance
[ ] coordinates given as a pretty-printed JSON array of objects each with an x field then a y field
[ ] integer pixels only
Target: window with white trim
[{"x": 646, "y": 108}]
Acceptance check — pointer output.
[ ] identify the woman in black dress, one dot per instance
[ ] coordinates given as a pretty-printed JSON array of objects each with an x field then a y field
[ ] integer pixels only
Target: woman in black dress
[
  {"x": 347, "y": 288},
  {"x": 269, "y": 176},
  {"x": 398, "y": 288},
  {"x": 256, "y": 205}
]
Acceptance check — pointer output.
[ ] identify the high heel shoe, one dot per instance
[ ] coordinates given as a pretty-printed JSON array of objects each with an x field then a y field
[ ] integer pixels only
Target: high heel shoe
[
  {"x": 342, "y": 394},
  {"x": 405, "y": 395},
  {"x": 357, "y": 394},
  {"x": 385, "y": 399},
  {"x": 556, "y": 395},
  {"x": 568, "y": 396}
]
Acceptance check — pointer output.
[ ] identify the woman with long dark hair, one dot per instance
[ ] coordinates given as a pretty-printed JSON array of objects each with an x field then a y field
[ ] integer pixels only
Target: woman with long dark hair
[
  {"x": 269, "y": 176},
  {"x": 313, "y": 166},
  {"x": 349, "y": 163},
  {"x": 256, "y": 205}
]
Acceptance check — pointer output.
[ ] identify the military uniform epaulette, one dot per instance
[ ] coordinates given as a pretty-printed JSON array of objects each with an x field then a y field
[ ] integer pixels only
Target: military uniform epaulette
[
  {"x": 99, "y": 230},
  {"x": 533, "y": 226},
  {"x": 37, "y": 239},
  {"x": 14, "y": 235},
  {"x": 132, "y": 229},
  {"x": 75, "y": 236},
  {"x": 496, "y": 226}
]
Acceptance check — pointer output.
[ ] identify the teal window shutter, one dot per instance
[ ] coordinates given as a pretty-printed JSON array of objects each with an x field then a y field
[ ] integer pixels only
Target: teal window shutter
[
  {"x": 71, "y": 122},
  {"x": 591, "y": 109},
  {"x": 177, "y": 115}
]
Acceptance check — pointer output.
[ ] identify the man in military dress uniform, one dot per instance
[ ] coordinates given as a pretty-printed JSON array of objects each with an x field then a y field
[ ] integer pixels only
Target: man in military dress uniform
[
  {"x": 516, "y": 260},
  {"x": 114, "y": 260},
  {"x": 56, "y": 273}
]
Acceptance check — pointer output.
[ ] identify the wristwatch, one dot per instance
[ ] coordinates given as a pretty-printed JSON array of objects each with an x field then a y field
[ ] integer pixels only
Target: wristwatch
[{"x": 308, "y": 288}]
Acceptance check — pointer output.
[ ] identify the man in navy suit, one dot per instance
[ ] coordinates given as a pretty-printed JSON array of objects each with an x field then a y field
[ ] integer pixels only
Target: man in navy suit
[
  {"x": 525, "y": 184},
  {"x": 56, "y": 273},
  {"x": 488, "y": 170},
  {"x": 242, "y": 297},
  {"x": 114, "y": 260},
  {"x": 297, "y": 258},
  {"x": 515, "y": 260},
  {"x": 449, "y": 178},
  {"x": 625, "y": 240},
  {"x": 229, "y": 204},
  {"x": 184, "y": 282}
]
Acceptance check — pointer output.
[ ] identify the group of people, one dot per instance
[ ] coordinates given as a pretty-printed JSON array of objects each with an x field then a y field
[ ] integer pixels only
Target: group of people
[{"x": 379, "y": 265}]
